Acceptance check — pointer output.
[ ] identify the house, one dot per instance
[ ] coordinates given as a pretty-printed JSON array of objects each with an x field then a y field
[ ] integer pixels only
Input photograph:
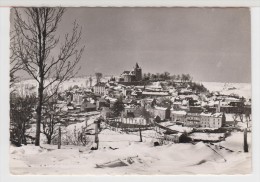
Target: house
[
  {"x": 135, "y": 120},
  {"x": 87, "y": 106},
  {"x": 205, "y": 120},
  {"x": 229, "y": 109},
  {"x": 102, "y": 103},
  {"x": 70, "y": 106},
  {"x": 192, "y": 119},
  {"x": 209, "y": 120},
  {"x": 217, "y": 120},
  {"x": 185, "y": 91},
  {"x": 78, "y": 98},
  {"x": 100, "y": 88},
  {"x": 147, "y": 101},
  {"x": 154, "y": 94},
  {"x": 195, "y": 109},
  {"x": 126, "y": 91},
  {"x": 232, "y": 99},
  {"x": 136, "y": 93},
  {"x": 176, "y": 105},
  {"x": 129, "y": 109},
  {"x": 178, "y": 116},
  {"x": 163, "y": 112},
  {"x": 232, "y": 105},
  {"x": 173, "y": 137},
  {"x": 105, "y": 112}
]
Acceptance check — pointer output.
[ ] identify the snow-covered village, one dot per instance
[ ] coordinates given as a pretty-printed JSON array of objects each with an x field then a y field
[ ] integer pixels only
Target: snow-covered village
[{"x": 131, "y": 121}]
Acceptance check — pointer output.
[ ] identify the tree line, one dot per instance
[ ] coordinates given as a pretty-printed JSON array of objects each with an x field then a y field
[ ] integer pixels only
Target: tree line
[{"x": 167, "y": 76}]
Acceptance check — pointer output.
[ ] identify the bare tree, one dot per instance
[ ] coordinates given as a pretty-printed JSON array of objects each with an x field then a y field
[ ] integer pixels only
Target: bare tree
[
  {"x": 166, "y": 75},
  {"x": 235, "y": 116},
  {"x": 90, "y": 81},
  {"x": 98, "y": 76},
  {"x": 248, "y": 118},
  {"x": 178, "y": 77},
  {"x": 36, "y": 47},
  {"x": 15, "y": 64},
  {"x": 51, "y": 120}
]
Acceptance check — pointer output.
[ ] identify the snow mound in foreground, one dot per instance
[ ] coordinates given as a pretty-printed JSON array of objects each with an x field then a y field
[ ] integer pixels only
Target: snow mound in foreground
[{"x": 116, "y": 148}]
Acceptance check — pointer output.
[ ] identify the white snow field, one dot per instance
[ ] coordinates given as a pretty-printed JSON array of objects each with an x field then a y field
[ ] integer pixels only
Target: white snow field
[
  {"x": 226, "y": 157},
  {"x": 241, "y": 89}
]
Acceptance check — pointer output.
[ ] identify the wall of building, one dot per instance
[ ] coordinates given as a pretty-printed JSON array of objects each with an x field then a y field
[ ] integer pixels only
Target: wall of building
[{"x": 99, "y": 90}]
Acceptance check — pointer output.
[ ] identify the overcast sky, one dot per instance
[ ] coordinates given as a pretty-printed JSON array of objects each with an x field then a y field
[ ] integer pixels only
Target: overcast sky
[{"x": 211, "y": 44}]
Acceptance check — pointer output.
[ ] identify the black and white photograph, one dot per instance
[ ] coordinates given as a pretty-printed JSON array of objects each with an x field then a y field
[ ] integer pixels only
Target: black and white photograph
[{"x": 130, "y": 91}]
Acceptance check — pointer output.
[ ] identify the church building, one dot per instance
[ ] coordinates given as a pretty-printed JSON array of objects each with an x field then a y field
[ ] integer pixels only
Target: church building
[{"x": 132, "y": 76}]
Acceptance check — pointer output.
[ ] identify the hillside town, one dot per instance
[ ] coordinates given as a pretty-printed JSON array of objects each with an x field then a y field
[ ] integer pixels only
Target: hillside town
[
  {"x": 135, "y": 104},
  {"x": 176, "y": 107},
  {"x": 160, "y": 111}
]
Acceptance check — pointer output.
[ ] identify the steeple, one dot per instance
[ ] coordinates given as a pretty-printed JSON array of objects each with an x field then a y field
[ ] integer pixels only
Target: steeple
[{"x": 138, "y": 72}]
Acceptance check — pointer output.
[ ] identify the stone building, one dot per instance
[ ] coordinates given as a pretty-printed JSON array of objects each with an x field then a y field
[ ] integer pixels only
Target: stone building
[{"x": 132, "y": 76}]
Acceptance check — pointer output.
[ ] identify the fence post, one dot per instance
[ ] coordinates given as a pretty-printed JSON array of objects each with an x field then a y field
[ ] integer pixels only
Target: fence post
[
  {"x": 141, "y": 139},
  {"x": 96, "y": 133},
  {"x": 86, "y": 122},
  {"x": 59, "y": 139},
  {"x": 245, "y": 140},
  {"x": 122, "y": 123}
]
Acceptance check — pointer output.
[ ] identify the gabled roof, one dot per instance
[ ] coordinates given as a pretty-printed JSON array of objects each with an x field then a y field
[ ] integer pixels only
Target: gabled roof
[
  {"x": 217, "y": 115},
  {"x": 126, "y": 72},
  {"x": 160, "y": 108},
  {"x": 130, "y": 73},
  {"x": 155, "y": 93},
  {"x": 100, "y": 84},
  {"x": 206, "y": 114},
  {"x": 179, "y": 112}
]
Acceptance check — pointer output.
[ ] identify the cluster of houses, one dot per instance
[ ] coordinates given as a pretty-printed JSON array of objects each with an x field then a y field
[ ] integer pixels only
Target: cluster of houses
[{"x": 177, "y": 104}]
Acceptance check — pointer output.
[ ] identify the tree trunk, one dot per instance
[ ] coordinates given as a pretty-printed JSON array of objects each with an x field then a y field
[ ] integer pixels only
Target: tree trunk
[
  {"x": 245, "y": 140},
  {"x": 48, "y": 140},
  {"x": 39, "y": 113},
  {"x": 23, "y": 135}
]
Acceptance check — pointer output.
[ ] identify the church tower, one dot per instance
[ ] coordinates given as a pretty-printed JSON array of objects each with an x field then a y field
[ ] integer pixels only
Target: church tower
[{"x": 138, "y": 72}]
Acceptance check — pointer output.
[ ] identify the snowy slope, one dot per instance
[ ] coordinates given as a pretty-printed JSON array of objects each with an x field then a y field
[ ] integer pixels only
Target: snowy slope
[{"x": 167, "y": 159}]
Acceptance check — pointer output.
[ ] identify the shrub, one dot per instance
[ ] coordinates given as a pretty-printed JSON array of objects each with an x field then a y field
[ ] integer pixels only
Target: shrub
[{"x": 21, "y": 114}]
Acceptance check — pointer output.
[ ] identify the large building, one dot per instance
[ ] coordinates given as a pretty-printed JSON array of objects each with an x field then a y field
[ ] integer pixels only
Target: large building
[
  {"x": 132, "y": 76},
  {"x": 100, "y": 88}
]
